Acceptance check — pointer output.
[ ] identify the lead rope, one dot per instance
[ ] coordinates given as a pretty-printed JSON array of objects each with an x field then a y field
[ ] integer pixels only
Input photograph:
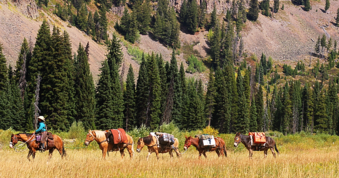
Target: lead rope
[{"x": 19, "y": 147}]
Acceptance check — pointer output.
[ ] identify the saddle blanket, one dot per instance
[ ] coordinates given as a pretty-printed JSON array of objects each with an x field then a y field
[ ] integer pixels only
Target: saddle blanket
[{"x": 119, "y": 136}]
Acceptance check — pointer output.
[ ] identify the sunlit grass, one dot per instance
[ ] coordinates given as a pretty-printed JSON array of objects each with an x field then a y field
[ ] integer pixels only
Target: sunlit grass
[{"x": 88, "y": 163}]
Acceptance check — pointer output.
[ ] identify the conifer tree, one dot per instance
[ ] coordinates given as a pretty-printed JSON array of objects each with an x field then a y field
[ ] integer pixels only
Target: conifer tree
[
  {"x": 144, "y": 18},
  {"x": 16, "y": 107},
  {"x": 129, "y": 99},
  {"x": 177, "y": 95},
  {"x": 154, "y": 93},
  {"x": 202, "y": 13},
  {"x": 85, "y": 91},
  {"x": 124, "y": 23},
  {"x": 253, "y": 116},
  {"x": 114, "y": 53},
  {"x": 132, "y": 31},
  {"x": 215, "y": 46},
  {"x": 104, "y": 99},
  {"x": 247, "y": 87},
  {"x": 163, "y": 80},
  {"x": 320, "y": 116},
  {"x": 103, "y": 24},
  {"x": 82, "y": 18},
  {"x": 307, "y": 5},
  {"x": 266, "y": 7},
  {"x": 260, "y": 109},
  {"x": 327, "y": 5},
  {"x": 210, "y": 98},
  {"x": 192, "y": 16},
  {"x": 3, "y": 71},
  {"x": 253, "y": 12},
  {"x": 242, "y": 123},
  {"x": 90, "y": 25},
  {"x": 213, "y": 18},
  {"x": 337, "y": 19},
  {"x": 276, "y": 6},
  {"x": 23, "y": 55},
  {"x": 142, "y": 93},
  {"x": 183, "y": 12},
  {"x": 287, "y": 111}
]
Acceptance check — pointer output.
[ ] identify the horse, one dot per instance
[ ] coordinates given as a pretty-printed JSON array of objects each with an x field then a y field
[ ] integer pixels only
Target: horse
[
  {"x": 153, "y": 146},
  {"x": 105, "y": 145},
  {"x": 33, "y": 146},
  {"x": 220, "y": 147},
  {"x": 246, "y": 140}
]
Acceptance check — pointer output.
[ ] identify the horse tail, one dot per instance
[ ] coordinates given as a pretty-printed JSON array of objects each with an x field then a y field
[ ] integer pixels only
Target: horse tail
[
  {"x": 276, "y": 149},
  {"x": 63, "y": 149},
  {"x": 225, "y": 152}
]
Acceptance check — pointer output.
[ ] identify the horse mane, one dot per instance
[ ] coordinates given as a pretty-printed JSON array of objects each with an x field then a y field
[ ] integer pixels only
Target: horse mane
[
  {"x": 99, "y": 133},
  {"x": 147, "y": 140},
  {"x": 27, "y": 134}
]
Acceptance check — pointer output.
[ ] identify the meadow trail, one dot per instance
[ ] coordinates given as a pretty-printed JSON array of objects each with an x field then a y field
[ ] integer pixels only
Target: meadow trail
[{"x": 88, "y": 163}]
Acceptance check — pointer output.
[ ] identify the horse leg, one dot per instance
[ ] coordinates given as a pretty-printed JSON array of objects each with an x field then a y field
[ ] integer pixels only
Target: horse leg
[
  {"x": 272, "y": 150},
  {"x": 29, "y": 154},
  {"x": 33, "y": 154},
  {"x": 122, "y": 152},
  {"x": 149, "y": 153},
  {"x": 204, "y": 152},
  {"x": 218, "y": 153},
  {"x": 251, "y": 153},
  {"x": 157, "y": 153},
  {"x": 178, "y": 153},
  {"x": 200, "y": 154},
  {"x": 51, "y": 152},
  {"x": 130, "y": 151},
  {"x": 265, "y": 152},
  {"x": 171, "y": 153},
  {"x": 104, "y": 151}
]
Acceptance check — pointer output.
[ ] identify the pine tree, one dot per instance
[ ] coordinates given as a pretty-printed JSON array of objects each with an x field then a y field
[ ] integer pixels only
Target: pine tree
[
  {"x": 285, "y": 125},
  {"x": 3, "y": 71},
  {"x": 317, "y": 46},
  {"x": 253, "y": 116},
  {"x": 163, "y": 80},
  {"x": 215, "y": 46},
  {"x": 183, "y": 12},
  {"x": 23, "y": 55},
  {"x": 154, "y": 94},
  {"x": 114, "y": 53},
  {"x": 266, "y": 7},
  {"x": 129, "y": 99},
  {"x": 210, "y": 98},
  {"x": 177, "y": 95},
  {"x": 213, "y": 18},
  {"x": 253, "y": 12},
  {"x": 202, "y": 13},
  {"x": 192, "y": 16},
  {"x": 320, "y": 116},
  {"x": 260, "y": 109},
  {"x": 103, "y": 24},
  {"x": 142, "y": 93},
  {"x": 132, "y": 31},
  {"x": 90, "y": 25},
  {"x": 82, "y": 18},
  {"x": 327, "y": 5},
  {"x": 276, "y": 6},
  {"x": 337, "y": 19},
  {"x": 85, "y": 91},
  {"x": 307, "y": 5},
  {"x": 16, "y": 107},
  {"x": 144, "y": 18},
  {"x": 104, "y": 99},
  {"x": 124, "y": 23}
]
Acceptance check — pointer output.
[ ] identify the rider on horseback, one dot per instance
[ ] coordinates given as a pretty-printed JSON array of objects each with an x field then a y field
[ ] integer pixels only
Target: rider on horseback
[{"x": 42, "y": 130}]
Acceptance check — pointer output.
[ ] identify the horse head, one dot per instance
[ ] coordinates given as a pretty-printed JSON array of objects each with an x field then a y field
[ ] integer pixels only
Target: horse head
[
  {"x": 14, "y": 141},
  {"x": 90, "y": 137},
  {"x": 141, "y": 144},
  {"x": 237, "y": 139},
  {"x": 188, "y": 142}
]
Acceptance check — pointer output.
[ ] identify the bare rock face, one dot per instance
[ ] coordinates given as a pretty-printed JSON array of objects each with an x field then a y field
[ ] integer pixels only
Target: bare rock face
[
  {"x": 27, "y": 7},
  {"x": 118, "y": 10},
  {"x": 220, "y": 5}
]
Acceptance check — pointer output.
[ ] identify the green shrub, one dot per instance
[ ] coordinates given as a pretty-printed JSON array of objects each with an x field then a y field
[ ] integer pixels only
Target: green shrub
[
  {"x": 135, "y": 52},
  {"x": 195, "y": 65}
]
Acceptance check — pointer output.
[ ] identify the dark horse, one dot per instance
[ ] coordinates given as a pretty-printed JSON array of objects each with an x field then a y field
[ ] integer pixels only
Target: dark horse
[
  {"x": 220, "y": 147},
  {"x": 246, "y": 140},
  {"x": 33, "y": 146}
]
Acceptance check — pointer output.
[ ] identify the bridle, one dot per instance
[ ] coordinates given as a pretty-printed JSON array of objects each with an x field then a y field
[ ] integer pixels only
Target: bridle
[
  {"x": 15, "y": 138},
  {"x": 189, "y": 143},
  {"x": 89, "y": 141}
]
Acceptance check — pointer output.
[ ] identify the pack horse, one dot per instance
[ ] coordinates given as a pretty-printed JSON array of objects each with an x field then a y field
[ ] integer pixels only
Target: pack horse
[
  {"x": 111, "y": 140},
  {"x": 206, "y": 143},
  {"x": 159, "y": 143},
  {"x": 256, "y": 141}
]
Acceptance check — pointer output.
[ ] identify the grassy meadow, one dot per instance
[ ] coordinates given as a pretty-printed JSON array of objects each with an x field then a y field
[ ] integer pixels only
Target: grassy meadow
[{"x": 301, "y": 155}]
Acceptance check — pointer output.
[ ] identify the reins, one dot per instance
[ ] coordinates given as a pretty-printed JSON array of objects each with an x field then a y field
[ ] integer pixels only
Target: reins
[{"x": 18, "y": 148}]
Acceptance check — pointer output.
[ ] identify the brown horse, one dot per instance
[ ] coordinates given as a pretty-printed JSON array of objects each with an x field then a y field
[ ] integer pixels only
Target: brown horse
[
  {"x": 106, "y": 146},
  {"x": 33, "y": 146},
  {"x": 220, "y": 147},
  {"x": 153, "y": 146},
  {"x": 246, "y": 140}
]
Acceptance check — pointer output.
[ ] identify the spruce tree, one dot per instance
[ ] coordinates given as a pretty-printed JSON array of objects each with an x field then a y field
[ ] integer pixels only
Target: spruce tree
[
  {"x": 114, "y": 53},
  {"x": 215, "y": 46},
  {"x": 253, "y": 12},
  {"x": 260, "y": 109},
  {"x": 253, "y": 116},
  {"x": 276, "y": 6},
  {"x": 163, "y": 80},
  {"x": 307, "y": 5},
  {"x": 104, "y": 99},
  {"x": 85, "y": 91},
  {"x": 327, "y": 5},
  {"x": 3, "y": 71},
  {"x": 213, "y": 18},
  {"x": 242, "y": 123},
  {"x": 103, "y": 23},
  {"x": 337, "y": 19},
  {"x": 132, "y": 31},
  {"x": 192, "y": 16},
  {"x": 177, "y": 90},
  {"x": 117, "y": 97},
  {"x": 183, "y": 12},
  {"x": 210, "y": 98},
  {"x": 320, "y": 116},
  {"x": 129, "y": 99},
  {"x": 124, "y": 23},
  {"x": 285, "y": 125},
  {"x": 266, "y": 7},
  {"x": 16, "y": 107},
  {"x": 23, "y": 55},
  {"x": 154, "y": 94},
  {"x": 142, "y": 93},
  {"x": 82, "y": 18},
  {"x": 144, "y": 18}
]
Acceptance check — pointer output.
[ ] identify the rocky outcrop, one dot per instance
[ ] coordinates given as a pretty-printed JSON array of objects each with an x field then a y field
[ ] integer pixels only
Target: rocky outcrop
[
  {"x": 118, "y": 10},
  {"x": 26, "y": 7},
  {"x": 220, "y": 5}
]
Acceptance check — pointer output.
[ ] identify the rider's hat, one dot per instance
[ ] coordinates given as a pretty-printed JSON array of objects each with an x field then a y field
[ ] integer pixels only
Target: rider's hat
[{"x": 41, "y": 118}]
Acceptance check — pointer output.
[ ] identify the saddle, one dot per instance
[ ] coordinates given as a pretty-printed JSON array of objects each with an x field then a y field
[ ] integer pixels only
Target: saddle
[
  {"x": 117, "y": 136},
  {"x": 206, "y": 141}
]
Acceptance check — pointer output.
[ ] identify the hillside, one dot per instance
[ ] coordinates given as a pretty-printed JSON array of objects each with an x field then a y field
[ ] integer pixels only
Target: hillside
[{"x": 289, "y": 35}]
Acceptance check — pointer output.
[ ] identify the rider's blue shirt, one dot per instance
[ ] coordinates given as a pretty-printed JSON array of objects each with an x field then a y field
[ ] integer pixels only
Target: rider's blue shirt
[{"x": 42, "y": 127}]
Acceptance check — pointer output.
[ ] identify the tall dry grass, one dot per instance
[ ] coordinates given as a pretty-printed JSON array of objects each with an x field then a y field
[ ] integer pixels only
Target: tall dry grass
[{"x": 88, "y": 163}]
